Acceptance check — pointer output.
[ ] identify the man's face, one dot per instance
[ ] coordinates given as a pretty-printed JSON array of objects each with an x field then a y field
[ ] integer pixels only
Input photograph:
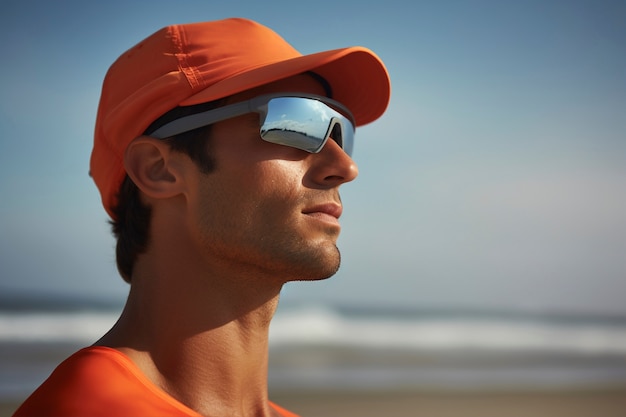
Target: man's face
[{"x": 270, "y": 208}]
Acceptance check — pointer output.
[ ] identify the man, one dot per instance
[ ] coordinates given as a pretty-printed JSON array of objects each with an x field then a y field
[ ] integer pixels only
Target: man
[{"x": 219, "y": 151}]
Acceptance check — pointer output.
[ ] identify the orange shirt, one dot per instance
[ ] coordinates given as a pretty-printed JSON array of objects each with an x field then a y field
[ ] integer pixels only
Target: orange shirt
[{"x": 100, "y": 381}]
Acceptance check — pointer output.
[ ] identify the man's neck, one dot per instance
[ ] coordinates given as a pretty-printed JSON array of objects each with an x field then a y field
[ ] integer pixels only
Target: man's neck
[{"x": 206, "y": 347}]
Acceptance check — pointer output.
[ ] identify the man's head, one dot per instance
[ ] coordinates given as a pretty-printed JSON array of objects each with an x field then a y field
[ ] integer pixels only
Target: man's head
[{"x": 186, "y": 69}]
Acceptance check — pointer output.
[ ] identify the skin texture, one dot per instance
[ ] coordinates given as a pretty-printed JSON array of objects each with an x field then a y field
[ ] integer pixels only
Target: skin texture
[{"x": 222, "y": 246}]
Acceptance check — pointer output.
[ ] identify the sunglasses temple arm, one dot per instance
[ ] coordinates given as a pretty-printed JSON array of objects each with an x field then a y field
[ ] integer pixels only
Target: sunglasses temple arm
[{"x": 194, "y": 121}]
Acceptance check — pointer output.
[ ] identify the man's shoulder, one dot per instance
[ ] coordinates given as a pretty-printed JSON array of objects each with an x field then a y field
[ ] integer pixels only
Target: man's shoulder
[{"x": 99, "y": 381}]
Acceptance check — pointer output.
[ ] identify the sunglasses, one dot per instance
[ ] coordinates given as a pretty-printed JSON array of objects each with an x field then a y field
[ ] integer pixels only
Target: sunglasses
[{"x": 298, "y": 120}]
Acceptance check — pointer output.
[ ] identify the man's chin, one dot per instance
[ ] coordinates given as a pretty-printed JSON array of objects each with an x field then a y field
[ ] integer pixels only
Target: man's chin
[{"x": 322, "y": 270}]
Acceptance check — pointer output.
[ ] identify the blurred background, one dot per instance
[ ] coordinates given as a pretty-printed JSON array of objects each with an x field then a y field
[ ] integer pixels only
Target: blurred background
[{"x": 483, "y": 243}]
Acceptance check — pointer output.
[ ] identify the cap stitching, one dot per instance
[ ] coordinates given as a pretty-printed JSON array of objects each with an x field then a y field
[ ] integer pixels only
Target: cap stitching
[{"x": 183, "y": 56}]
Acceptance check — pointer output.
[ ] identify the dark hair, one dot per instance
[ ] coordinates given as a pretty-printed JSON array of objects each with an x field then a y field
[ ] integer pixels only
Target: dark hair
[{"x": 131, "y": 224}]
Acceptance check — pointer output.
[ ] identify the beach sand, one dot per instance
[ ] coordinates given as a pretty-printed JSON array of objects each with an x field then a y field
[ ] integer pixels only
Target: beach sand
[
  {"x": 610, "y": 402},
  {"x": 605, "y": 403}
]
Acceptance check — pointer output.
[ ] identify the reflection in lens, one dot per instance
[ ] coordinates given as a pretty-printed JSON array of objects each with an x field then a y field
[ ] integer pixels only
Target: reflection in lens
[{"x": 305, "y": 124}]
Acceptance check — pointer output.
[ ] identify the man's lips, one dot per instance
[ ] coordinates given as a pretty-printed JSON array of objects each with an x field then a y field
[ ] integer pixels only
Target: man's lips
[{"x": 329, "y": 212}]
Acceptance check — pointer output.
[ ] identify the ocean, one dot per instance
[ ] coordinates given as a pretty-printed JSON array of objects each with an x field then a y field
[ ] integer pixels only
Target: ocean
[{"x": 345, "y": 348}]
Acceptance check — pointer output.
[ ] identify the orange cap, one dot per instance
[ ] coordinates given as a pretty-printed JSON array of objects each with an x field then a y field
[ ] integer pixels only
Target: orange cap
[{"x": 195, "y": 63}]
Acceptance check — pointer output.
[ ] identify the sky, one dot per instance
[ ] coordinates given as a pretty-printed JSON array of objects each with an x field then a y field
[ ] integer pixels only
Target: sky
[{"x": 495, "y": 180}]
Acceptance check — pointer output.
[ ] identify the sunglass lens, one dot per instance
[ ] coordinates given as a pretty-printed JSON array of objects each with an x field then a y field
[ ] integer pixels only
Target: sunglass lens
[{"x": 303, "y": 123}]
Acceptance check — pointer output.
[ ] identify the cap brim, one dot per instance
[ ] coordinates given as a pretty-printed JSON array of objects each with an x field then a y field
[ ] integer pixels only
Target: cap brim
[{"x": 358, "y": 79}]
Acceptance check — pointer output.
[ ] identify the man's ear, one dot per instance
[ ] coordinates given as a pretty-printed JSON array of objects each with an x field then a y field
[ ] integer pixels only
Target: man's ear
[{"x": 153, "y": 167}]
